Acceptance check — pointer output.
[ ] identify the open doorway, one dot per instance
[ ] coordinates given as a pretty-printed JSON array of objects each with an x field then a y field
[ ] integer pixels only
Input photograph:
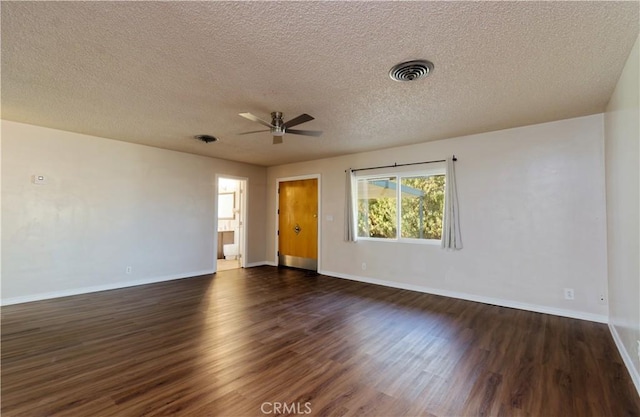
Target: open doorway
[{"x": 231, "y": 220}]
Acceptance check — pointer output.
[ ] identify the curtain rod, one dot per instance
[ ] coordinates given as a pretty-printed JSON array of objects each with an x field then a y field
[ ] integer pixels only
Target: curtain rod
[{"x": 401, "y": 165}]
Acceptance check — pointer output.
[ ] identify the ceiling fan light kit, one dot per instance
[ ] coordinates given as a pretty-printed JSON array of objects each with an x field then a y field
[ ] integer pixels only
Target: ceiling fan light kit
[{"x": 278, "y": 127}]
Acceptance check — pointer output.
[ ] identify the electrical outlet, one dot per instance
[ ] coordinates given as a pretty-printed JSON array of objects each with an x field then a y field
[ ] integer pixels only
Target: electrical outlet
[
  {"x": 39, "y": 179},
  {"x": 602, "y": 299},
  {"x": 364, "y": 266},
  {"x": 568, "y": 294},
  {"x": 129, "y": 270}
]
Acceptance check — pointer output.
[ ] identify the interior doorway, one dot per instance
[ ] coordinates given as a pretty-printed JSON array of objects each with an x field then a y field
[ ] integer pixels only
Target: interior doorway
[{"x": 230, "y": 248}]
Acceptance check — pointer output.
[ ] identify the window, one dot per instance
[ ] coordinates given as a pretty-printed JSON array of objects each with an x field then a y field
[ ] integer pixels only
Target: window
[
  {"x": 401, "y": 206},
  {"x": 377, "y": 207}
]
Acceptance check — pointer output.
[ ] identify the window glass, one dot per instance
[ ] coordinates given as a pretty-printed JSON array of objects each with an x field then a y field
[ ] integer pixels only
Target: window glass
[
  {"x": 377, "y": 207},
  {"x": 408, "y": 206},
  {"x": 422, "y": 206}
]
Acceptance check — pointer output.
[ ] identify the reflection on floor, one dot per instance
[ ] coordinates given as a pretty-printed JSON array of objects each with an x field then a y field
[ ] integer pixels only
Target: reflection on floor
[{"x": 225, "y": 264}]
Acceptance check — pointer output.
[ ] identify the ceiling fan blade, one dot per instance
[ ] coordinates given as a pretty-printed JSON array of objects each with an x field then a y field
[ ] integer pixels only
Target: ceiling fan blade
[
  {"x": 255, "y": 119},
  {"x": 298, "y": 120},
  {"x": 254, "y": 131},
  {"x": 277, "y": 140},
  {"x": 304, "y": 132}
]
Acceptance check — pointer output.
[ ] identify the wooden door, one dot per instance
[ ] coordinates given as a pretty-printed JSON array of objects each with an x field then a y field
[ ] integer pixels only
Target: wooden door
[{"x": 298, "y": 224}]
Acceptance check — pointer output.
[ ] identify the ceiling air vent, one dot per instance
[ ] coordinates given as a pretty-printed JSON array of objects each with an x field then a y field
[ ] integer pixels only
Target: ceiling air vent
[
  {"x": 206, "y": 138},
  {"x": 411, "y": 70}
]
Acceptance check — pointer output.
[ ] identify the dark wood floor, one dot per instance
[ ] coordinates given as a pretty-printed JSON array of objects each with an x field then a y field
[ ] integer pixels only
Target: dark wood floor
[{"x": 268, "y": 341}]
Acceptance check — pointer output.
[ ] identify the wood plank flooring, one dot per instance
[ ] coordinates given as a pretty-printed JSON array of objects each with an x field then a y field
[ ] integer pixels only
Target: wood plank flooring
[
  {"x": 269, "y": 341},
  {"x": 226, "y": 264}
]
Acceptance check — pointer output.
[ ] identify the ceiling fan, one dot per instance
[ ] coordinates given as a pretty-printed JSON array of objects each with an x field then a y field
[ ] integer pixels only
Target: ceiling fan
[{"x": 278, "y": 127}]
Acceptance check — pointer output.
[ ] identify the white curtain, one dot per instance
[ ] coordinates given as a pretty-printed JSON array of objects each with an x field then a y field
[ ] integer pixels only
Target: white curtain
[
  {"x": 350, "y": 234},
  {"x": 451, "y": 238}
]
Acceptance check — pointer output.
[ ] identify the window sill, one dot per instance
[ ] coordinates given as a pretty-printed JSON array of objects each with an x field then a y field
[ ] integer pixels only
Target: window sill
[{"x": 432, "y": 242}]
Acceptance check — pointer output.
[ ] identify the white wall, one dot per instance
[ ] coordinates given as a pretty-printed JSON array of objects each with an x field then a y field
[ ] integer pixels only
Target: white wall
[
  {"x": 622, "y": 161},
  {"x": 532, "y": 219},
  {"x": 107, "y": 205}
]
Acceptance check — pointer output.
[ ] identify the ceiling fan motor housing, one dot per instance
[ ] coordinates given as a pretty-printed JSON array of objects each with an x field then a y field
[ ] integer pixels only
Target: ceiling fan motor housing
[{"x": 278, "y": 125}]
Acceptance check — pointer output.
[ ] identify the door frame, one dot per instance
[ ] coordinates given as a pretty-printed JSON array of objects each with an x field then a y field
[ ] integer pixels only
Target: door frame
[
  {"x": 277, "y": 222},
  {"x": 244, "y": 198}
]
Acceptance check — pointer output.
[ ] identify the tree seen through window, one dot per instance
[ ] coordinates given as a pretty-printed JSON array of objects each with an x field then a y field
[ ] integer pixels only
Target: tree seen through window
[{"x": 421, "y": 207}]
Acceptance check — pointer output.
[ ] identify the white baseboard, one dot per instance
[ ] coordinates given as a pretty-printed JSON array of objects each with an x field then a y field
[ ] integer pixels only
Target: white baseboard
[
  {"x": 477, "y": 298},
  {"x": 97, "y": 288},
  {"x": 635, "y": 376}
]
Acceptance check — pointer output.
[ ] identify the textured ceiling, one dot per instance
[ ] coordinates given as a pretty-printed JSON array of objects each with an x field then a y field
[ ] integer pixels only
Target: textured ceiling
[{"x": 157, "y": 73}]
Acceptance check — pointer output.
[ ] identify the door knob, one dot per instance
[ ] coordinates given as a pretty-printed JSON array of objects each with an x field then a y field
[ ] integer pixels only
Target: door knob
[{"x": 297, "y": 229}]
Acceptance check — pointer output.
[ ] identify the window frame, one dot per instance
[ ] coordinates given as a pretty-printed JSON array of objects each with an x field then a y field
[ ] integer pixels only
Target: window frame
[{"x": 399, "y": 175}]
